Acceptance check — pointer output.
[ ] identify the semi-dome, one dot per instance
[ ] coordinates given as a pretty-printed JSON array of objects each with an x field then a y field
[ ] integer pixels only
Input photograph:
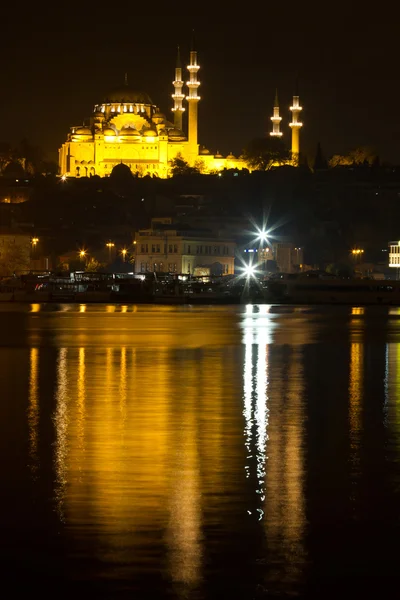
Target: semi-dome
[
  {"x": 158, "y": 118},
  {"x": 150, "y": 132},
  {"x": 129, "y": 131},
  {"x": 83, "y": 131},
  {"x": 108, "y": 131},
  {"x": 127, "y": 95},
  {"x": 175, "y": 134}
]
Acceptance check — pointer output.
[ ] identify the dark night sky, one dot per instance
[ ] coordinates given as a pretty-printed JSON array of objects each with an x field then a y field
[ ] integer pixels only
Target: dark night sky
[{"x": 54, "y": 70}]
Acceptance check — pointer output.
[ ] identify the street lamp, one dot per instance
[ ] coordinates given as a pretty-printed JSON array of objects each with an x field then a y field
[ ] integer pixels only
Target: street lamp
[
  {"x": 110, "y": 245},
  {"x": 82, "y": 255},
  {"x": 124, "y": 252},
  {"x": 34, "y": 242}
]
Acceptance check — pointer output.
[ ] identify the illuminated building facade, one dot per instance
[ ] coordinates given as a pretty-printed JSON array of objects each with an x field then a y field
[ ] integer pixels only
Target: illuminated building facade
[
  {"x": 128, "y": 127},
  {"x": 164, "y": 248},
  {"x": 394, "y": 254}
]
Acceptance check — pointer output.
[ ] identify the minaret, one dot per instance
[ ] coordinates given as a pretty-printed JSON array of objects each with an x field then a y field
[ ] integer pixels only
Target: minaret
[
  {"x": 178, "y": 97},
  {"x": 276, "y": 119},
  {"x": 193, "y": 100},
  {"x": 295, "y": 125}
]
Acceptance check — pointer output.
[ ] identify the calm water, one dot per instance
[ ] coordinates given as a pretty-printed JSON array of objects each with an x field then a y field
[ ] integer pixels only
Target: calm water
[{"x": 239, "y": 452}]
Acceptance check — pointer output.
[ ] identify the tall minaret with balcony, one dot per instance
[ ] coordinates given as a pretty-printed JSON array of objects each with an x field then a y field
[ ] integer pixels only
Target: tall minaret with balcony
[
  {"x": 178, "y": 97},
  {"x": 276, "y": 119},
  {"x": 193, "y": 100},
  {"x": 295, "y": 125}
]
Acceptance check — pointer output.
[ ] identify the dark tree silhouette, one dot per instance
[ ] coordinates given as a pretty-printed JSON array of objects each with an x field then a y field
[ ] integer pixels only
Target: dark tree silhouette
[{"x": 264, "y": 153}]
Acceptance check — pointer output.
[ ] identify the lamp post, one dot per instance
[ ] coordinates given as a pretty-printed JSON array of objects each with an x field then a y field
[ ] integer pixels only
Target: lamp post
[
  {"x": 110, "y": 245},
  {"x": 124, "y": 252},
  {"x": 82, "y": 255},
  {"x": 34, "y": 242},
  {"x": 357, "y": 254}
]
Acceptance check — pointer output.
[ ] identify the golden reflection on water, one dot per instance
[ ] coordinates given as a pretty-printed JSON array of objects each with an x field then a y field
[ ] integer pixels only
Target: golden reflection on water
[
  {"x": 81, "y": 400},
  {"x": 184, "y": 530},
  {"x": 61, "y": 425},
  {"x": 392, "y": 387},
  {"x": 33, "y": 410},
  {"x": 149, "y": 441},
  {"x": 356, "y": 392}
]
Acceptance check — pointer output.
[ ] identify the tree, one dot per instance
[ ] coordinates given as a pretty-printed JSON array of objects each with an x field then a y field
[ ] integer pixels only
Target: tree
[
  {"x": 179, "y": 166},
  {"x": 319, "y": 161},
  {"x": 264, "y": 153},
  {"x": 359, "y": 156},
  {"x": 14, "y": 258},
  {"x": 94, "y": 265}
]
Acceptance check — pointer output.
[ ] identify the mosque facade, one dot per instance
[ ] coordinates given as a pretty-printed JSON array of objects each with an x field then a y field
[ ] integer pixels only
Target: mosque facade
[{"x": 127, "y": 127}]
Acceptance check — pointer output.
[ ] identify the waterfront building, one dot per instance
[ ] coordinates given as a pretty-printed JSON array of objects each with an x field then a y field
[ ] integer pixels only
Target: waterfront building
[
  {"x": 171, "y": 248},
  {"x": 394, "y": 254}
]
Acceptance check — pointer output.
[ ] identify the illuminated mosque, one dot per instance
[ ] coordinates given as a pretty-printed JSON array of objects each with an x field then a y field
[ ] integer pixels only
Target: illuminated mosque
[{"x": 128, "y": 128}]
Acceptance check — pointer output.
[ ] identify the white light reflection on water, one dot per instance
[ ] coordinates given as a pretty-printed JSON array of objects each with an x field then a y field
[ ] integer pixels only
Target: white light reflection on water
[
  {"x": 257, "y": 326},
  {"x": 61, "y": 424}
]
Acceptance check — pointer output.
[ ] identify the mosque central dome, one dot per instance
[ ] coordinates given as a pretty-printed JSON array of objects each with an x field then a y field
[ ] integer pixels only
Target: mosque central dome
[{"x": 125, "y": 94}]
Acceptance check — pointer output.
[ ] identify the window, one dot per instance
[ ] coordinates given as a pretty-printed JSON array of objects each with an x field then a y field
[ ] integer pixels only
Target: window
[
  {"x": 165, "y": 248},
  {"x": 143, "y": 267},
  {"x": 206, "y": 249},
  {"x": 175, "y": 248},
  {"x": 142, "y": 248},
  {"x": 153, "y": 248},
  {"x": 189, "y": 249},
  {"x": 170, "y": 248},
  {"x": 158, "y": 248},
  {"x": 147, "y": 248}
]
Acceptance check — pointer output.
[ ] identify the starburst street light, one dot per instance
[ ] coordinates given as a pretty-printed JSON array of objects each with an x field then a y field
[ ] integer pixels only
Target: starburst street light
[
  {"x": 262, "y": 235},
  {"x": 34, "y": 241},
  {"x": 124, "y": 252}
]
